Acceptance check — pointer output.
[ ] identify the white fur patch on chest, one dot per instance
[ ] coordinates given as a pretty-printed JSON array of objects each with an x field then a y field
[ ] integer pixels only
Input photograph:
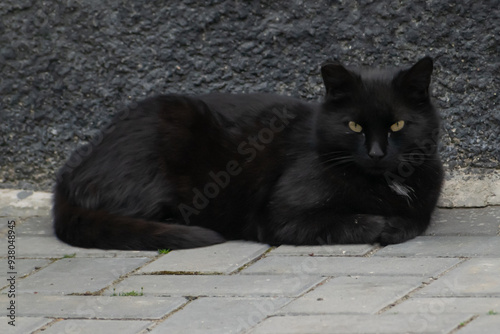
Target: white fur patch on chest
[{"x": 402, "y": 189}]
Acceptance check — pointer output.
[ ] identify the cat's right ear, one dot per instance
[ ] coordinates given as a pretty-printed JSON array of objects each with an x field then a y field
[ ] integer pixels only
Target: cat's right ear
[{"x": 339, "y": 81}]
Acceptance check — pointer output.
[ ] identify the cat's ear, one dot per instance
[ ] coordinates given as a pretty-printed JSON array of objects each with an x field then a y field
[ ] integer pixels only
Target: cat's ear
[
  {"x": 339, "y": 82},
  {"x": 415, "y": 81}
]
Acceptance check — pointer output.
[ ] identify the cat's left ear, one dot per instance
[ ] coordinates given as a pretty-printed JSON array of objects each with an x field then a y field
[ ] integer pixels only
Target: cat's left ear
[{"x": 416, "y": 80}]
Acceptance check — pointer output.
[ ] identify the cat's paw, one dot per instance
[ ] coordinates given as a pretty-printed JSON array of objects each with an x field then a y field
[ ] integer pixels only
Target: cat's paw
[
  {"x": 397, "y": 230},
  {"x": 365, "y": 229}
]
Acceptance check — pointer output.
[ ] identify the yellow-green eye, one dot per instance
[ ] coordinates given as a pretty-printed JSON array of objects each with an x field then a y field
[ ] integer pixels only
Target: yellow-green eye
[
  {"x": 355, "y": 127},
  {"x": 397, "y": 126}
]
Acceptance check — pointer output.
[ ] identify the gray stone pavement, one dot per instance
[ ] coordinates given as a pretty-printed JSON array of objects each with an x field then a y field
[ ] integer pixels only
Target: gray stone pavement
[{"x": 447, "y": 281}]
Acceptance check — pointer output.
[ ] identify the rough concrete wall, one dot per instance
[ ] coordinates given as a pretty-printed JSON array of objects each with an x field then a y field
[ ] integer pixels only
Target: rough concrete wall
[{"x": 67, "y": 66}]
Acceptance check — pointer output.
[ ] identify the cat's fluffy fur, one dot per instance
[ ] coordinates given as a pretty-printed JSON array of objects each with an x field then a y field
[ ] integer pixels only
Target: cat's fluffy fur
[{"x": 180, "y": 171}]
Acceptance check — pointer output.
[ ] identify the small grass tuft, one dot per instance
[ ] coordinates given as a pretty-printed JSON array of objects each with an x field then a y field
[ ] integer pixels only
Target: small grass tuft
[
  {"x": 163, "y": 251},
  {"x": 69, "y": 256},
  {"x": 491, "y": 312},
  {"x": 130, "y": 293}
]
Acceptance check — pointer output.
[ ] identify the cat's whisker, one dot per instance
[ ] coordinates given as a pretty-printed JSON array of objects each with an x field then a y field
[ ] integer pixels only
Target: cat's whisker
[
  {"x": 336, "y": 159},
  {"x": 414, "y": 160},
  {"x": 412, "y": 156},
  {"x": 336, "y": 162},
  {"x": 332, "y": 154}
]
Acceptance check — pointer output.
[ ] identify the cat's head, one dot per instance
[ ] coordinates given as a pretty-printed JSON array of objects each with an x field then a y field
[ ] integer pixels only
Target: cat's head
[{"x": 376, "y": 119}]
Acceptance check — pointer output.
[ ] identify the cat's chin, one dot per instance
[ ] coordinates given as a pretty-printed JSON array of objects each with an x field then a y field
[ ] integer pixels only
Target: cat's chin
[{"x": 376, "y": 169}]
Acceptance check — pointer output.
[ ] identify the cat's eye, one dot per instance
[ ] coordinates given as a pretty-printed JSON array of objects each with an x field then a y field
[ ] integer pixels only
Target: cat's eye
[
  {"x": 355, "y": 127},
  {"x": 397, "y": 126}
]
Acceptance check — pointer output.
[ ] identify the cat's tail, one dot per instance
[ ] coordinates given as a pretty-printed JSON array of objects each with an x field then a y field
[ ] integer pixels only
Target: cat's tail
[{"x": 98, "y": 229}]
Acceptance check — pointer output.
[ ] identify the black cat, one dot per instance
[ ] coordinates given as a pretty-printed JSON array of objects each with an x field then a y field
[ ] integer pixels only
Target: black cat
[{"x": 180, "y": 171}]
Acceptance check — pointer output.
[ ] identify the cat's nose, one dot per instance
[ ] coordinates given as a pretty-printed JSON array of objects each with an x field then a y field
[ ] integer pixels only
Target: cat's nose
[{"x": 376, "y": 151}]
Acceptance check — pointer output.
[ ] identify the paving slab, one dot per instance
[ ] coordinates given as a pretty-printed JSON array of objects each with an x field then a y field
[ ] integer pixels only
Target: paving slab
[
  {"x": 23, "y": 324},
  {"x": 218, "y": 285},
  {"x": 474, "y": 278},
  {"x": 470, "y": 221},
  {"x": 78, "y": 275},
  {"x": 30, "y": 246},
  {"x": 352, "y": 294},
  {"x": 445, "y": 246},
  {"x": 326, "y": 250},
  {"x": 17, "y": 211},
  {"x": 223, "y": 258},
  {"x": 23, "y": 267},
  {"x": 100, "y": 307},
  {"x": 4, "y": 226},
  {"x": 97, "y": 326},
  {"x": 355, "y": 324},
  {"x": 36, "y": 226},
  {"x": 438, "y": 306},
  {"x": 483, "y": 325},
  {"x": 356, "y": 266},
  {"x": 226, "y": 315}
]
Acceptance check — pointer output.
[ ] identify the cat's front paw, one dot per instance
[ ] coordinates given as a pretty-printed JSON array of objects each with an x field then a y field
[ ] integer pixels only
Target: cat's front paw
[
  {"x": 365, "y": 229},
  {"x": 397, "y": 230}
]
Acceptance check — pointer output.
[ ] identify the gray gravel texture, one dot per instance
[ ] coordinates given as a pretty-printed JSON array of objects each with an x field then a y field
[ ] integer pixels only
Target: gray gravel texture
[{"x": 68, "y": 66}]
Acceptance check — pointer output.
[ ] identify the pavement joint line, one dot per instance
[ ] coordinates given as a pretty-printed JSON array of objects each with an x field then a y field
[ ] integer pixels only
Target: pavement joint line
[
  {"x": 405, "y": 297},
  {"x": 37, "y": 269},
  {"x": 46, "y": 326},
  {"x": 325, "y": 280},
  {"x": 181, "y": 273},
  {"x": 122, "y": 277},
  {"x": 88, "y": 293},
  {"x": 116, "y": 281},
  {"x": 157, "y": 322},
  {"x": 464, "y": 324},
  {"x": 373, "y": 251},
  {"x": 250, "y": 263},
  {"x": 102, "y": 318},
  {"x": 462, "y": 261},
  {"x": 425, "y": 283}
]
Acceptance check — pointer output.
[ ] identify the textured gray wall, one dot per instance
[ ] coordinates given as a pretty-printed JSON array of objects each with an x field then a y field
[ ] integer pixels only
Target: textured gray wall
[{"x": 68, "y": 66}]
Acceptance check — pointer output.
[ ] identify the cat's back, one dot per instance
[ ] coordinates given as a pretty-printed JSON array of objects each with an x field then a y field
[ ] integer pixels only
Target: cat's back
[{"x": 236, "y": 107}]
